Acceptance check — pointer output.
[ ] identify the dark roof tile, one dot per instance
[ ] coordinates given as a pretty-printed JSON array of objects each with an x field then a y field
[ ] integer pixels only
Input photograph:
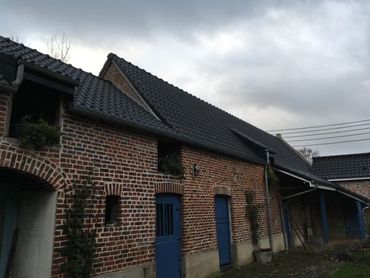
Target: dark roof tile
[
  {"x": 93, "y": 94},
  {"x": 204, "y": 122},
  {"x": 342, "y": 166}
]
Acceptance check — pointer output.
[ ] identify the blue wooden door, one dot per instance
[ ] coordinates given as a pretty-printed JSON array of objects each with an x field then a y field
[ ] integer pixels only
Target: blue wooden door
[
  {"x": 168, "y": 236},
  {"x": 287, "y": 226},
  {"x": 223, "y": 230}
]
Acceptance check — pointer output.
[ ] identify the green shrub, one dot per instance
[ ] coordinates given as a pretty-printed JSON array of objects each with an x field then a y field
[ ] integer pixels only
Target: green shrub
[
  {"x": 35, "y": 134},
  {"x": 171, "y": 164},
  {"x": 253, "y": 215},
  {"x": 272, "y": 178}
]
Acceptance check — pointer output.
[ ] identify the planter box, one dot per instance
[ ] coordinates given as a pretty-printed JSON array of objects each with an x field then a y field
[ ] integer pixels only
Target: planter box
[{"x": 263, "y": 256}]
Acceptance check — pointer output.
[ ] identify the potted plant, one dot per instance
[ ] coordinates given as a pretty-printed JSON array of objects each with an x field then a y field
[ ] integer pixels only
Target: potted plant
[
  {"x": 35, "y": 133},
  {"x": 261, "y": 255},
  {"x": 171, "y": 164}
]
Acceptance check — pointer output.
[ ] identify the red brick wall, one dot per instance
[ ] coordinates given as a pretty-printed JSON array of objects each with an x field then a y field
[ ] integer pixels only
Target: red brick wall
[
  {"x": 361, "y": 187},
  {"x": 125, "y": 162},
  {"x": 198, "y": 201}
]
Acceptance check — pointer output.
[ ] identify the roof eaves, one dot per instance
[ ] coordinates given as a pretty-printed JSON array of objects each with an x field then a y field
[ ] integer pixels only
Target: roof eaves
[
  {"x": 155, "y": 131},
  {"x": 49, "y": 73}
]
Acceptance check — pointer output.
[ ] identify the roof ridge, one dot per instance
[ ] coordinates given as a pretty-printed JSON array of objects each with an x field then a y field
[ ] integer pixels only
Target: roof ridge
[{"x": 341, "y": 155}]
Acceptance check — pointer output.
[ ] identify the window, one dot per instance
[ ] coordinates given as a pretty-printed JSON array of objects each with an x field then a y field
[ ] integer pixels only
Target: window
[
  {"x": 169, "y": 161},
  {"x": 36, "y": 101},
  {"x": 111, "y": 209},
  {"x": 164, "y": 220}
]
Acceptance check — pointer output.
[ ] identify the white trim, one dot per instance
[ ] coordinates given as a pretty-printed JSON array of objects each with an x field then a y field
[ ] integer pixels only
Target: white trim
[
  {"x": 143, "y": 103},
  {"x": 350, "y": 179},
  {"x": 322, "y": 187},
  {"x": 294, "y": 176},
  {"x": 351, "y": 196},
  {"x": 310, "y": 183}
]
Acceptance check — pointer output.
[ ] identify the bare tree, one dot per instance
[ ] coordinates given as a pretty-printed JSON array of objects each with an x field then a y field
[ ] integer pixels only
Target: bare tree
[
  {"x": 59, "y": 47},
  {"x": 14, "y": 38},
  {"x": 308, "y": 153}
]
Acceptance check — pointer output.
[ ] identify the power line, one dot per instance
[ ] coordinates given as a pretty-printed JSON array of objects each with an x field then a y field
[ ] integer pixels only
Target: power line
[
  {"x": 331, "y": 143},
  {"x": 330, "y": 137},
  {"x": 315, "y": 126},
  {"x": 326, "y": 133},
  {"x": 318, "y": 130}
]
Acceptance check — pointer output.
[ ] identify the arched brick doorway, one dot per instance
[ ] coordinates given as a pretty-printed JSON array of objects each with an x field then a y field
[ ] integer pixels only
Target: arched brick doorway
[{"x": 28, "y": 200}]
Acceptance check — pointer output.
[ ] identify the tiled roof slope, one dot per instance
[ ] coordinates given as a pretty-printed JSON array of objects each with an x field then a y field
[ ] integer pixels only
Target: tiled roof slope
[
  {"x": 342, "y": 166},
  {"x": 93, "y": 94},
  {"x": 203, "y": 122}
]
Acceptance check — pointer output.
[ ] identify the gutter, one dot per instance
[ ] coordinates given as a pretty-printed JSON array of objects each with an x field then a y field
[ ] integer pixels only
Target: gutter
[
  {"x": 51, "y": 74},
  {"x": 335, "y": 187},
  {"x": 350, "y": 179}
]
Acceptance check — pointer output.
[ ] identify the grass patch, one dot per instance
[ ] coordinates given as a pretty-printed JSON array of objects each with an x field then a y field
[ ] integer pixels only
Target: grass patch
[{"x": 360, "y": 267}]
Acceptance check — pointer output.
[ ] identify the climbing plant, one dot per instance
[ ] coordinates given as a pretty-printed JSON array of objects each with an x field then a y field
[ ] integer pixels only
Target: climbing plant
[
  {"x": 272, "y": 178},
  {"x": 81, "y": 241},
  {"x": 253, "y": 216}
]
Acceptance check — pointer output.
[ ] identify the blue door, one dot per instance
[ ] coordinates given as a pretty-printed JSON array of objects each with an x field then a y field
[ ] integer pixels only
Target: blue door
[
  {"x": 223, "y": 230},
  {"x": 287, "y": 226},
  {"x": 168, "y": 236}
]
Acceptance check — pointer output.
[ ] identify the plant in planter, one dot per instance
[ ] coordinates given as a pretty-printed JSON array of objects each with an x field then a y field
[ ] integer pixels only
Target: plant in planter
[
  {"x": 261, "y": 255},
  {"x": 36, "y": 133},
  {"x": 171, "y": 164}
]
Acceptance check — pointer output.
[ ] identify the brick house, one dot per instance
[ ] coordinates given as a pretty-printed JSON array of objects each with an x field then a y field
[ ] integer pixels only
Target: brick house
[
  {"x": 118, "y": 129},
  {"x": 351, "y": 171}
]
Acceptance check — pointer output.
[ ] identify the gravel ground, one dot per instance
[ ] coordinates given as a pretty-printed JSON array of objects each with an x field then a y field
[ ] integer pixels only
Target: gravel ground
[{"x": 295, "y": 263}]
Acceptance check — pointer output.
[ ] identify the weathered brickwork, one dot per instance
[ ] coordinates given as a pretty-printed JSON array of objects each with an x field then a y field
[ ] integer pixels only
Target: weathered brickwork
[
  {"x": 361, "y": 187},
  {"x": 235, "y": 177},
  {"x": 123, "y": 162}
]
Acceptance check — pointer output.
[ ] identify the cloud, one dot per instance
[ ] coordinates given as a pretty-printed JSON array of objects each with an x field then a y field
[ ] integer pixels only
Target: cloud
[{"x": 275, "y": 64}]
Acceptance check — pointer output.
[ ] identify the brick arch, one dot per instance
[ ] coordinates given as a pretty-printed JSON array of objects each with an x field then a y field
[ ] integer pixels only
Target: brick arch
[
  {"x": 30, "y": 163},
  {"x": 169, "y": 187},
  {"x": 113, "y": 189},
  {"x": 222, "y": 190}
]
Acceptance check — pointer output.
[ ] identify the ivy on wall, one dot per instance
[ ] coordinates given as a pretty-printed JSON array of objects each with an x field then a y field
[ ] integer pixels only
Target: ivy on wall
[
  {"x": 81, "y": 241},
  {"x": 253, "y": 211}
]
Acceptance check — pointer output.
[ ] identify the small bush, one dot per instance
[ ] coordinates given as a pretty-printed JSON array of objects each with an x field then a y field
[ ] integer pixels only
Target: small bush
[
  {"x": 171, "y": 164},
  {"x": 35, "y": 134}
]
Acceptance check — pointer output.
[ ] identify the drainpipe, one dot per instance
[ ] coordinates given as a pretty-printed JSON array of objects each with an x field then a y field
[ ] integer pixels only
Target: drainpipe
[
  {"x": 268, "y": 200},
  {"x": 13, "y": 87},
  {"x": 20, "y": 73},
  {"x": 363, "y": 213}
]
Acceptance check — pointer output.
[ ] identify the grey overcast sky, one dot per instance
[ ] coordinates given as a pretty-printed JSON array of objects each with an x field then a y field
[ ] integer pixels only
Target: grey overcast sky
[{"x": 275, "y": 64}]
